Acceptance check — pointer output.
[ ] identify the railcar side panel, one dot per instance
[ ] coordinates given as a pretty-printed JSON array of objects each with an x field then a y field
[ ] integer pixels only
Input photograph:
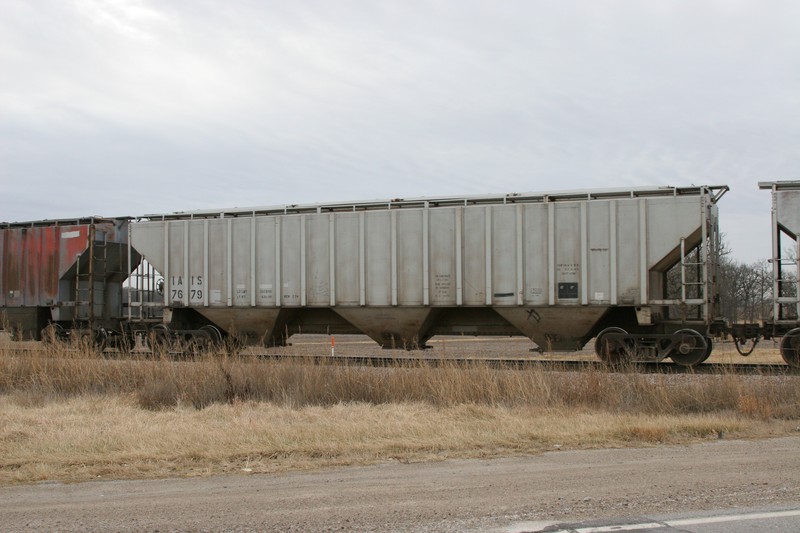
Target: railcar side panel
[
  {"x": 4, "y": 259},
  {"x": 536, "y": 256},
  {"x": 409, "y": 263},
  {"x": 787, "y": 206},
  {"x": 474, "y": 238},
  {"x": 443, "y": 260},
  {"x": 503, "y": 254},
  {"x": 265, "y": 259},
  {"x": 378, "y": 258},
  {"x": 628, "y": 273},
  {"x": 567, "y": 260}
]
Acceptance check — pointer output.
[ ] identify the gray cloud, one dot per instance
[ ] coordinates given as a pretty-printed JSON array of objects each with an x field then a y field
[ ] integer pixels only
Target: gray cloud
[{"x": 137, "y": 106}]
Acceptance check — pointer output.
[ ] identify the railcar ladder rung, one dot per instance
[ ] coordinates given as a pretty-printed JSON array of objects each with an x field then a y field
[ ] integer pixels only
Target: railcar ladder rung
[{"x": 693, "y": 277}]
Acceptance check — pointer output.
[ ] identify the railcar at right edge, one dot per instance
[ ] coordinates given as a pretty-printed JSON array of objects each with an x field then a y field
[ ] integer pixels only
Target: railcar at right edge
[{"x": 784, "y": 322}]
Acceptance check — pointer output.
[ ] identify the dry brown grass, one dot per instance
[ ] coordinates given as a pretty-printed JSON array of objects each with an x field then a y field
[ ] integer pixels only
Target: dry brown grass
[
  {"x": 69, "y": 413},
  {"x": 89, "y": 437}
]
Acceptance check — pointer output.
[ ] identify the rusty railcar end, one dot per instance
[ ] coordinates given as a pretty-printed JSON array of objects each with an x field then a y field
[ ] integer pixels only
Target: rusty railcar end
[{"x": 67, "y": 272}]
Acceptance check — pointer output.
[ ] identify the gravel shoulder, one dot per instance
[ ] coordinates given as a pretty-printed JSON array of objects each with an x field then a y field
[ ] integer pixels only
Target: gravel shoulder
[{"x": 455, "y": 495}]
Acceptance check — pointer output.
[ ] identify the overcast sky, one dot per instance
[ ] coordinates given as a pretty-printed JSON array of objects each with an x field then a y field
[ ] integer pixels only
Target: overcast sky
[{"x": 127, "y": 107}]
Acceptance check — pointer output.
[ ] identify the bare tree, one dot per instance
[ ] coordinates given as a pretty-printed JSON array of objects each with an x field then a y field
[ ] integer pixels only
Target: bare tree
[{"x": 745, "y": 290}]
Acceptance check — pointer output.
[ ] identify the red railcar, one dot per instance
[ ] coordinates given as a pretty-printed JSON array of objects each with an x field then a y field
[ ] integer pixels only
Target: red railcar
[{"x": 63, "y": 274}]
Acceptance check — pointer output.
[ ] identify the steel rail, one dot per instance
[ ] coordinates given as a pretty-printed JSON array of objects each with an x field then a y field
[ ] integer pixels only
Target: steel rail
[
  {"x": 568, "y": 365},
  {"x": 500, "y": 363}
]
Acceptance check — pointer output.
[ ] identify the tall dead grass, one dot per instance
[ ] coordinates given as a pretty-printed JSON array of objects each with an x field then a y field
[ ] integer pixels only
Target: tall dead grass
[{"x": 163, "y": 382}]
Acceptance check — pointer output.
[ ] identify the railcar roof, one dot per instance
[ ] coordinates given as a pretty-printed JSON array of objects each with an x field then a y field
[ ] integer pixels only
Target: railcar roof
[
  {"x": 716, "y": 192},
  {"x": 779, "y": 185},
  {"x": 62, "y": 222}
]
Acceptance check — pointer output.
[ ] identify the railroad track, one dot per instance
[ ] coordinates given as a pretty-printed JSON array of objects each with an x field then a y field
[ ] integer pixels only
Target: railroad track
[
  {"x": 546, "y": 364},
  {"x": 509, "y": 363}
]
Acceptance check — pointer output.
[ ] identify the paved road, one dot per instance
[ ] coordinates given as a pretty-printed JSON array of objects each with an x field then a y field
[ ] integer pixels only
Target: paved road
[
  {"x": 513, "y": 494},
  {"x": 739, "y": 521}
]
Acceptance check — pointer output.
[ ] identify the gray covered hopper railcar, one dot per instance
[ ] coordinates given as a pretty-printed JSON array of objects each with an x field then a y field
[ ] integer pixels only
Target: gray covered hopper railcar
[{"x": 634, "y": 267}]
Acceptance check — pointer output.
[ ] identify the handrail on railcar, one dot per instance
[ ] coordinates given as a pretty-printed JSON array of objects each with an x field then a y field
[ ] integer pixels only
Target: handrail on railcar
[
  {"x": 63, "y": 222},
  {"x": 779, "y": 185},
  {"x": 715, "y": 191}
]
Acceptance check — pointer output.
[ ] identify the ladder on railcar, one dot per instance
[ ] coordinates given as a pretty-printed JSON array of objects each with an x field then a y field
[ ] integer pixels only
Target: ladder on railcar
[
  {"x": 693, "y": 292},
  {"x": 91, "y": 299},
  {"x": 84, "y": 284},
  {"x": 786, "y": 283},
  {"x": 144, "y": 300},
  {"x": 697, "y": 269}
]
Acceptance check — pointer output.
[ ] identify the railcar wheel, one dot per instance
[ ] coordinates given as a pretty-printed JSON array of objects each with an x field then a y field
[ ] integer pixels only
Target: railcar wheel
[
  {"x": 214, "y": 335},
  {"x": 52, "y": 333},
  {"x": 709, "y": 348},
  {"x": 159, "y": 339},
  {"x": 101, "y": 340},
  {"x": 611, "y": 350},
  {"x": 790, "y": 348},
  {"x": 692, "y": 348},
  {"x": 85, "y": 339}
]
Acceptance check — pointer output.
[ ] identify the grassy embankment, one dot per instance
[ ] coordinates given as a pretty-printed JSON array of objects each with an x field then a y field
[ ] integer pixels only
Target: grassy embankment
[{"x": 71, "y": 414}]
